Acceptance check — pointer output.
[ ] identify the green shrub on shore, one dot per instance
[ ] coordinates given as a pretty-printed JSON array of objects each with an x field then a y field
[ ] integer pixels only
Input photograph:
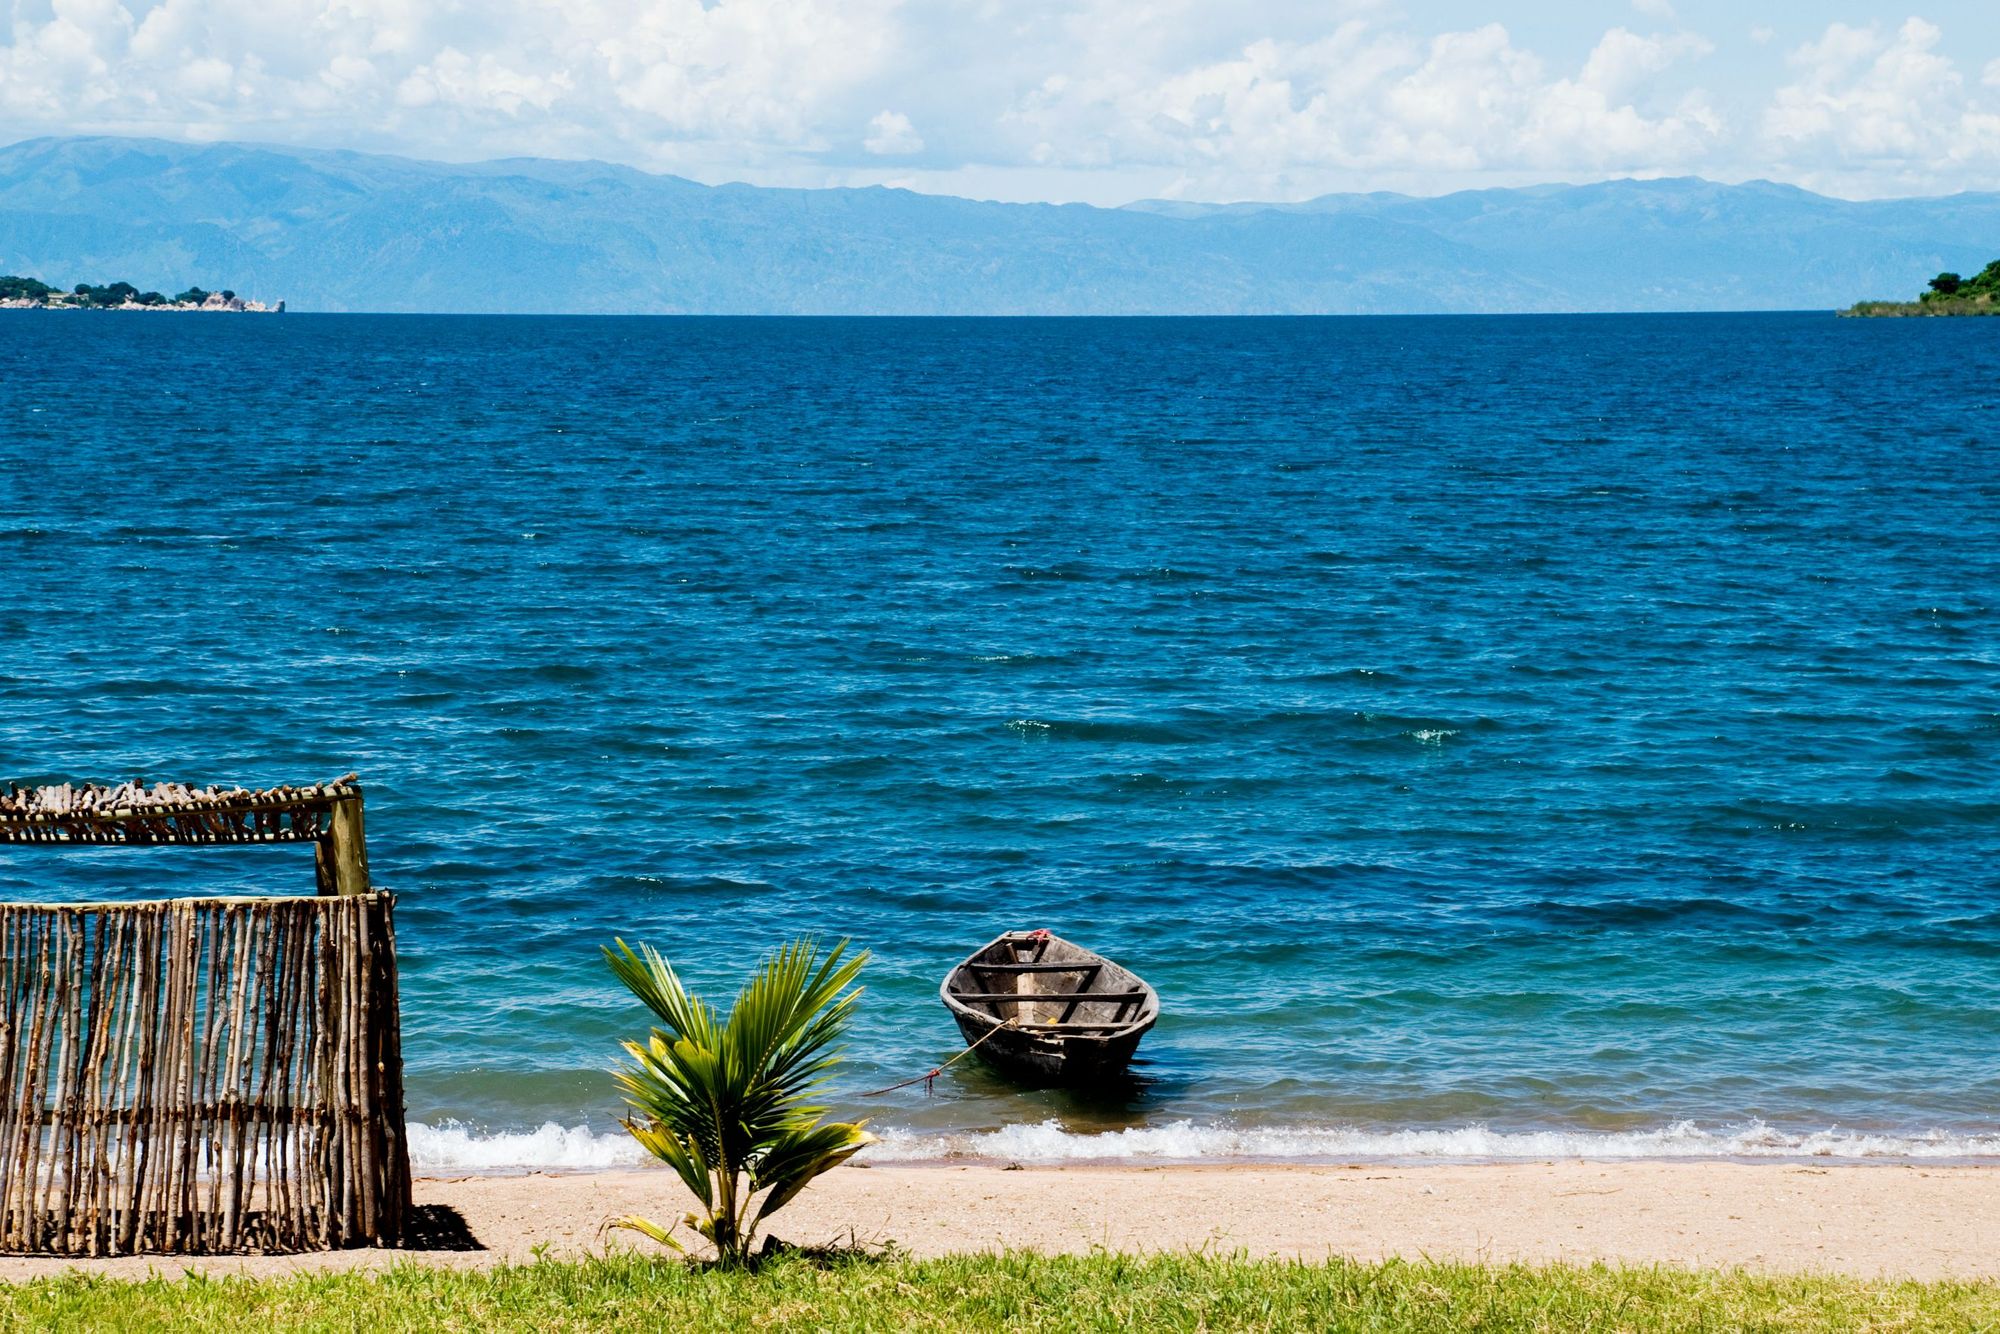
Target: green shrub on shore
[
  {"x": 1014, "y": 1292},
  {"x": 727, "y": 1102}
]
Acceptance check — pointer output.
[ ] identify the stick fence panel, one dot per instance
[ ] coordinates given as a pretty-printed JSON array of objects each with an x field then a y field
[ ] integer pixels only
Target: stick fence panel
[{"x": 200, "y": 1075}]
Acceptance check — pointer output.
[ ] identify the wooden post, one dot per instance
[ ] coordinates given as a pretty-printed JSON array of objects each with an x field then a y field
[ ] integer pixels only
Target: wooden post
[{"x": 340, "y": 859}]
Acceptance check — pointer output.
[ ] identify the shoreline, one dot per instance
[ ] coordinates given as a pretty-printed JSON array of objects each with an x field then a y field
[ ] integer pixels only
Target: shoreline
[
  {"x": 170, "y": 308},
  {"x": 1885, "y": 1163},
  {"x": 1919, "y": 310},
  {"x": 1349, "y": 1162},
  {"x": 1873, "y": 1220},
  {"x": 454, "y": 1148}
]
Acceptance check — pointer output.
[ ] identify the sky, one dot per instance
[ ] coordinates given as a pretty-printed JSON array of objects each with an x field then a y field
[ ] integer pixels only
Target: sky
[{"x": 1098, "y": 101}]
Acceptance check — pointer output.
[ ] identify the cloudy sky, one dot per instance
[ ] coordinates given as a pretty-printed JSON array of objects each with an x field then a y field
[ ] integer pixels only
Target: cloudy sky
[{"x": 1097, "y": 100}]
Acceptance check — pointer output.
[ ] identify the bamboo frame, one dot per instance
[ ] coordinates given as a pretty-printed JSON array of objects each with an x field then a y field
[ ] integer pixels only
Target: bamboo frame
[
  {"x": 327, "y": 815},
  {"x": 204, "y": 1074}
]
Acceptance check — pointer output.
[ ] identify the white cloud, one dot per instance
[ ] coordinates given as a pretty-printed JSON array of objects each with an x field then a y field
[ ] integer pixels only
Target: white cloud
[
  {"x": 890, "y": 134},
  {"x": 1071, "y": 98},
  {"x": 748, "y": 77},
  {"x": 1889, "y": 105},
  {"x": 1363, "y": 99}
]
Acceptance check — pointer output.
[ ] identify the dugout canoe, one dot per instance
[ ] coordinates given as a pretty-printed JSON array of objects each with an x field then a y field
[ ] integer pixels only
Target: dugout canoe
[{"x": 1078, "y": 1016}]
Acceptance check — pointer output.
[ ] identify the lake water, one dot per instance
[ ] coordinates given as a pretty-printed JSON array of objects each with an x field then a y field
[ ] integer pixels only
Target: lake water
[{"x": 1491, "y": 736}]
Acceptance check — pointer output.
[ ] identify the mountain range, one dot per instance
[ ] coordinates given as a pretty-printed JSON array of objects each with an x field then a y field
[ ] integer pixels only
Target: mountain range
[{"x": 328, "y": 230}]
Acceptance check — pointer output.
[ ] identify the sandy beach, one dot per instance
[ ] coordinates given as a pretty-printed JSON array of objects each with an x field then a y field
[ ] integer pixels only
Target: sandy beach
[{"x": 1894, "y": 1221}]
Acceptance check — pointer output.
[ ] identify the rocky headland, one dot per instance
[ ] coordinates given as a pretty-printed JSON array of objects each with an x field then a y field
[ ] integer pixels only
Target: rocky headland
[{"x": 18, "y": 293}]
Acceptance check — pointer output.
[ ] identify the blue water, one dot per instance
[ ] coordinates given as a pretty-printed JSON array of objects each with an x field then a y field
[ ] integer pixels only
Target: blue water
[{"x": 1490, "y": 735}]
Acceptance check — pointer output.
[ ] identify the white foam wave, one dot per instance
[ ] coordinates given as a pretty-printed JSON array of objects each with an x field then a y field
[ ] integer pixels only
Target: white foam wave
[
  {"x": 1186, "y": 1141},
  {"x": 456, "y": 1147},
  {"x": 453, "y": 1147}
]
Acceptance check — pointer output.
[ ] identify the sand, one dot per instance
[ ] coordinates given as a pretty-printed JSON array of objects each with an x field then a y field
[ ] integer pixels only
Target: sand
[{"x": 1909, "y": 1221}]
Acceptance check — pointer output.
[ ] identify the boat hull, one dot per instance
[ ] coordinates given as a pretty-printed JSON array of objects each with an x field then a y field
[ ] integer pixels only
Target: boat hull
[
  {"x": 1043, "y": 1010},
  {"x": 1064, "y": 1061}
]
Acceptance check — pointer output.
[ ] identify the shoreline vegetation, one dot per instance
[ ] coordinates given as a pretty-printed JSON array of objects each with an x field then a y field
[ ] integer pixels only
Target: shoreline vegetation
[
  {"x": 19, "y": 293},
  {"x": 1949, "y": 294},
  {"x": 1013, "y": 1290}
]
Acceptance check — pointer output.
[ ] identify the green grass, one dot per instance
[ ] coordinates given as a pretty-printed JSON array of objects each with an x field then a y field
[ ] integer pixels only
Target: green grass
[{"x": 1011, "y": 1292}]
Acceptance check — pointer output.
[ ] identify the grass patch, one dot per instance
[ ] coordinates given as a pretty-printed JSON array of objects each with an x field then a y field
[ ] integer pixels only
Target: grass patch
[{"x": 1018, "y": 1291}]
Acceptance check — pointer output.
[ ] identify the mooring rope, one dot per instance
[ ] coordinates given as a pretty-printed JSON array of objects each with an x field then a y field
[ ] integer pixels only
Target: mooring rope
[{"x": 929, "y": 1079}]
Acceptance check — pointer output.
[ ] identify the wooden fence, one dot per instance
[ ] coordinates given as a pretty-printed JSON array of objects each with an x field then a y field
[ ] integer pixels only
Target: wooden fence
[{"x": 201, "y": 1075}]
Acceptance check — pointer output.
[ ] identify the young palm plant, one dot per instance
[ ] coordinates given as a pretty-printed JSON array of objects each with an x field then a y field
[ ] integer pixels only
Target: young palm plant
[{"x": 726, "y": 1103}]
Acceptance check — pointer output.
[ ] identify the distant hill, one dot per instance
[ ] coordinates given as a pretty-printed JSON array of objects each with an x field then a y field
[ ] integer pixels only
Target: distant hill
[{"x": 352, "y": 231}]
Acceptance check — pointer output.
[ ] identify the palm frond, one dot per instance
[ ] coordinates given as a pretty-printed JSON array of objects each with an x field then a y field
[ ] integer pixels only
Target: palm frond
[
  {"x": 652, "y": 979},
  {"x": 787, "y": 1002},
  {"x": 663, "y": 1235},
  {"x": 791, "y": 1166},
  {"x": 683, "y": 1155}
]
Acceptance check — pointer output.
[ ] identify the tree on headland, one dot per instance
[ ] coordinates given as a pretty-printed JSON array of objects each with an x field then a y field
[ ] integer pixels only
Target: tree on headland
[
  {"x": 1950, "y": 291},
  {"x": 113, "y": 294},
  {"x": 194, "y": 296},
  {"x": 16, "y": 288}
]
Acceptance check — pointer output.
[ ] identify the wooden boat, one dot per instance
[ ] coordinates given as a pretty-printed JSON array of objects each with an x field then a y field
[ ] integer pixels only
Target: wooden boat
[{"x": 1077, "y": 1016}]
